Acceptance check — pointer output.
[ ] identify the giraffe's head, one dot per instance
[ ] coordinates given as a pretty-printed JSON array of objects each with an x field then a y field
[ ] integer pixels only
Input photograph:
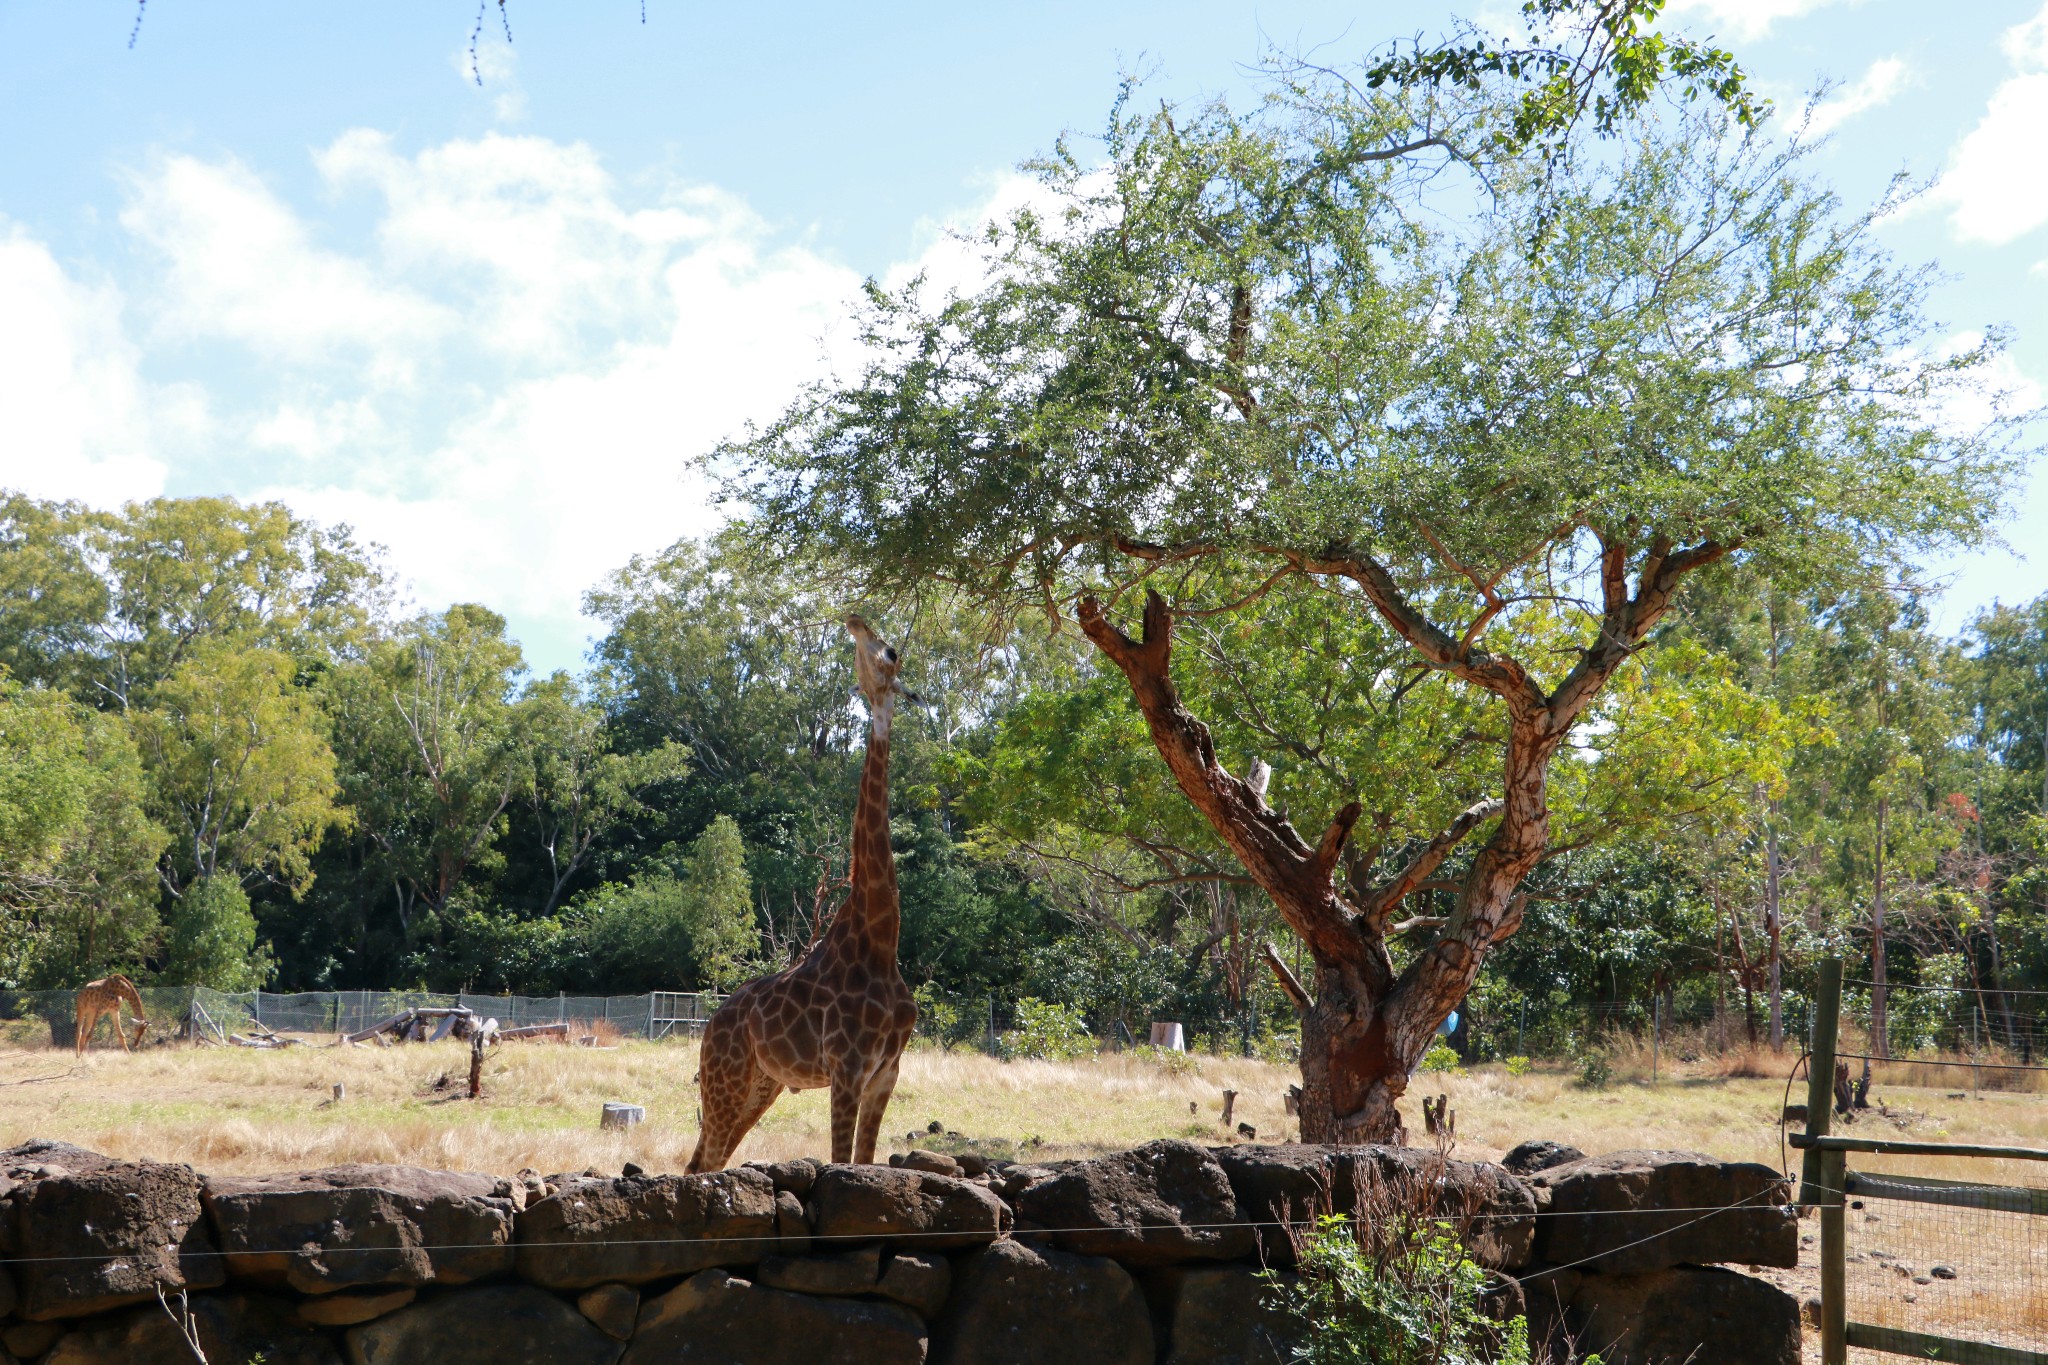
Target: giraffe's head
[{"x": 875, "y": 664}]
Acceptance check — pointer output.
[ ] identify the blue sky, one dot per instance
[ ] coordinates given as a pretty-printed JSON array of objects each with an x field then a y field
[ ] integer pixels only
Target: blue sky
[{"x": 297, "y": 252}]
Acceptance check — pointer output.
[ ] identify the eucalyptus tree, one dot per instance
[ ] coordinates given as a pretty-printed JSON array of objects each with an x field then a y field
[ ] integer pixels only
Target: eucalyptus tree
[{"x": 1508, "y": 425}]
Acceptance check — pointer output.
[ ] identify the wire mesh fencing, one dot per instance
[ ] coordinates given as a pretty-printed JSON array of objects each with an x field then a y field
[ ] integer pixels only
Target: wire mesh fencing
[
  {"x": 49, "y": 1018},
  {"x": 1980, "y": 1274}
]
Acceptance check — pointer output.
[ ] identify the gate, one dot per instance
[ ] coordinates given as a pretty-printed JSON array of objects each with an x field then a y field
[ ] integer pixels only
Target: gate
[
  {"x": 684, "y": 1012},
  {"x": 1827, "y": 1183}
]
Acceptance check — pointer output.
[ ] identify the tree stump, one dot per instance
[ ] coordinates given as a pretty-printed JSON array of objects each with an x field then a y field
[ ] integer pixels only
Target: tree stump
[{"x": 620, "y": 1115}]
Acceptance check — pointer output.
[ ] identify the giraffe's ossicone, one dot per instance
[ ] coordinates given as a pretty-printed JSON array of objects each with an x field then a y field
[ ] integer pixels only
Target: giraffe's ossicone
[{"x": 841, "y": 1017}]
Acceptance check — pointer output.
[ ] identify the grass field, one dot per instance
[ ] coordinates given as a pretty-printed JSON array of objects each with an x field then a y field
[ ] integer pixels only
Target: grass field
[{"x": 233, "y": 1110}]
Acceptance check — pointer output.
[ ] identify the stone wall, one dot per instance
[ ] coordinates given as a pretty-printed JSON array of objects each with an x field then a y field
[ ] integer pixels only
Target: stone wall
[{"x": 1137, "y": 1257}]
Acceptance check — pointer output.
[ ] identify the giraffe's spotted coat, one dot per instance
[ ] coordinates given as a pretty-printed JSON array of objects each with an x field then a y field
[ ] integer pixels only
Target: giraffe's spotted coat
[{"x": 841, "y": 1017}]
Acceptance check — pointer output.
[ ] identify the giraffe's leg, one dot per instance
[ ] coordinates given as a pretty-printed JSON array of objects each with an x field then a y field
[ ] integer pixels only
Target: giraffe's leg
[
  {"x": 119, "y": 1033},
  {"x": 846, "y": 1091},
  {"x": 873, "y": 1101},
  {"x": 733, "y": 1093},
  {"x": 85, "y": 1026},
  {"x": 758, "y": 1101}
]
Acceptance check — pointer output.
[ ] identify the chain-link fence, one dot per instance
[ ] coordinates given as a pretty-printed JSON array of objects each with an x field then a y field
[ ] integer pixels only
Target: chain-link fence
[{"x": 49, "y": 1018}]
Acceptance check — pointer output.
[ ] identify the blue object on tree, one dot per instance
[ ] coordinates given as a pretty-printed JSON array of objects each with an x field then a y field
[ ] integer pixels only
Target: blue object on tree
[{"x": 1448, "y": 1026}]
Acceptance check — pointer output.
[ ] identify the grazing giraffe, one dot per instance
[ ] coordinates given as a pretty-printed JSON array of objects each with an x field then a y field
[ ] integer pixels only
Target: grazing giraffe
[
  {"x": 104, "y": 996},
  {"x": 842, "y": 1015}
]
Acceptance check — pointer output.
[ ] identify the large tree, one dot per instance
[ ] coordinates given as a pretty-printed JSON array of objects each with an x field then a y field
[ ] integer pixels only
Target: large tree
[{"x": 1246, "y": 351}]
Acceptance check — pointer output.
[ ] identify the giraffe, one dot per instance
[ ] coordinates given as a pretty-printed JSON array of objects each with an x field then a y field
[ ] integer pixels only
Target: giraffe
[
  {"x": 104, "y": 996},
  {"x": 841, "y": 1016}
]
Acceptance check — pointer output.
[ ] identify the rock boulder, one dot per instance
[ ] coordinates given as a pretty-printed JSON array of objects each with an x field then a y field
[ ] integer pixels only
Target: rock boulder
[
  {"x": 1633, "y": 1212},
  {"x": 1535, "y": 1155},
  {"x": 1021, "y": 1305},
  {"x": 716, "y": 1318},
  {"x": 1161, "y": 1203},
  {"x": 1283, "y": 1189},
  {"x": 354, "y": 1226},
  {"x": 1685, "y": 1315},
  {"x": 89, "y": 1233},
  {"x": 492, "y": 1325},
  {"x": 594, "y": 1231},
  {"x": 918, "y": 1281},
  {"x": 1220, "y": 1315},
  {"x": 915, "y": 1210},
  {"x": 231, "y": 1327}
]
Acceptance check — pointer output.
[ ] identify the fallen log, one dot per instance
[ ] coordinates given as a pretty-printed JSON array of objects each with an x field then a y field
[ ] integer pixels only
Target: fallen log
[{"x": 558, "y": 1030}]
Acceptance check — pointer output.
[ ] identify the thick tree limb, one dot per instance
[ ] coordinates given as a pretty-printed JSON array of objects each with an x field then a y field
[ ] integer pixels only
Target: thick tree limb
[
  {"x": 1385, "y": 898},
  {"x": 1264, "y": 841},
  {"x": 1290, "y": 984}
]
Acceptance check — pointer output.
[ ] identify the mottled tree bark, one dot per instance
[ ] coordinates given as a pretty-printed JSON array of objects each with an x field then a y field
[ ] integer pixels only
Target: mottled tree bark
[{"x": 1366, "y": 1027}]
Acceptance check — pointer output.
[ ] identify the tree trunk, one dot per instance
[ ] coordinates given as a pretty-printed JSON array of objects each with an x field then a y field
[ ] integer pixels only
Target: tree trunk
[
  {"x": 1774, "y": 931},
  {"x": 1366, "y": 1028},
  {"x": 1879, "y": 1042}
]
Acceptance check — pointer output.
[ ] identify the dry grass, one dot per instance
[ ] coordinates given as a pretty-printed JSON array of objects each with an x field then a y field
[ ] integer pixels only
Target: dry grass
[{"x": 230, "y": 1110}]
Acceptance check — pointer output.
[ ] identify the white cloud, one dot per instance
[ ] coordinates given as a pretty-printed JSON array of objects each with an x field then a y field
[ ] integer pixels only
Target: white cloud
[
  {"x": 1747, "y": 20},
  {"x": 1886, "y": 77},
  {"x": 486, "y": 355},
  {"x": 1997, "y": 180},
  {"x": 241, "y": 267},
  {"x": 493, "y": 68},
  {"x": 80, "y": 423}
]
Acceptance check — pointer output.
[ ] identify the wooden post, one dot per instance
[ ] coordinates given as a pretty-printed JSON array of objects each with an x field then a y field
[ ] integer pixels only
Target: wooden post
[
  {"x": 1834, "y": 1338},
  {"x": 1656, "y": 1033},
  {"x": 1820, "y": 1077},
  {"x": 1229, "y": 1105}
]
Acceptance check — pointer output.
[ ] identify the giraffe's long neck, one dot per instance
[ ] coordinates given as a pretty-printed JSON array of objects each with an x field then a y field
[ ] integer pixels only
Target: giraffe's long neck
[{"x": 873, "y": 915}]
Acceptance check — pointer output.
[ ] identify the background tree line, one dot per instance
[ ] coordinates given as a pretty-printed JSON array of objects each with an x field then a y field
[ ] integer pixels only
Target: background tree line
[{"x": 226, "y": 757}]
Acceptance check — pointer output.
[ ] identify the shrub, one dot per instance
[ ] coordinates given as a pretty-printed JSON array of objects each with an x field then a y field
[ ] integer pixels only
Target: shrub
[
  {"x": 938, "y": 1018},
  {"x": 1596, "y": 1068},
  {"x": 1404, "y": 1295},
  {"x": 1440, "y": 1057},
  {"x": 1168, "y": 1060},
  {"x": 1047, "y": 1032},
  {"x": 1520, "y": 1066}
]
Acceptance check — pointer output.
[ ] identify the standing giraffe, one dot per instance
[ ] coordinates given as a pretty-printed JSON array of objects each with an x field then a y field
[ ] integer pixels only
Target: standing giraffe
[
  {"x": 841, "y": 1016},
  {"x": 104, "y": 996}
]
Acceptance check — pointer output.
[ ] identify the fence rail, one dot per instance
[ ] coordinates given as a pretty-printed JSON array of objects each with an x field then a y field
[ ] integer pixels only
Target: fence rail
[{"x": 1826, "y": 1182}]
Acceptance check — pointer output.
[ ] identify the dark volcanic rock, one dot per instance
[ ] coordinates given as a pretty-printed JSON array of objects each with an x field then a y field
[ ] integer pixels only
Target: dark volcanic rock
[
  {"x": 352, "y": 1226},
  {"x": 1283, "y": 1189},
  {"x": 919, "y": 1281},
  {"x": 640, "y": 1228},
  {"x": 1684, "y": 1315},
  {"x": 507, "y": 1324},
  {"x": 1630, "y": 1212},
  {"x": 916, "y": 1210},
  {"x": 1164, "y": 1202},
  {"x": 1021, "y": 1305},
  {"x": 232, "y": 1327},
  {"x": 1220, "y": 1315},
  {"x": 846, "y": 1272},
  {"x": 717, "y": 1319},
  {"x": 89, "y": 1233},
  {"x": 1538, "y": 1155},
  {"x": 793, "y": 1176},
  {"x": 613, "y": 1307}
]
